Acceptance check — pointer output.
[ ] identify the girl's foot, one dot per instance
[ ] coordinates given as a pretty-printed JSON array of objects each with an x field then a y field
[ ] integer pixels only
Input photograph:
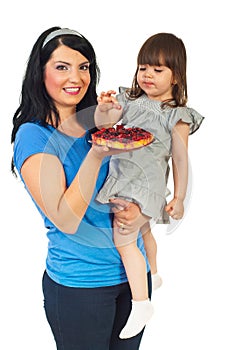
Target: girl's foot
[
  {"x": 140, "y": 314},
  {"x": 156, "y": 281}
]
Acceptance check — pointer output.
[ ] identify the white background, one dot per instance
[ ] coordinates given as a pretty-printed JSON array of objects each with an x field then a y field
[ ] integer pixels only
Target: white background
[{"x": 194, "y": 308}]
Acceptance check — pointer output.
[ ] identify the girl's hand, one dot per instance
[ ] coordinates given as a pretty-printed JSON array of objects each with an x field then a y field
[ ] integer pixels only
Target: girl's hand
[
  {"x": 128, "y": 217},
  {"x": 107, "y": 101},
  {"x": 108, "y": 111},
  {"x": 175, "y": 208}
]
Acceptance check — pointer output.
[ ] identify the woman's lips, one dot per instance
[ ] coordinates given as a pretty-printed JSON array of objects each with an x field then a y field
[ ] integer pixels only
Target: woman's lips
[{"x": 72, "y": 90}]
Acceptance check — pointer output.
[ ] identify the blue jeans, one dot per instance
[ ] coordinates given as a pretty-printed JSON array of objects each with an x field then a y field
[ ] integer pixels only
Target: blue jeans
[{"x": 89, "y": 318}]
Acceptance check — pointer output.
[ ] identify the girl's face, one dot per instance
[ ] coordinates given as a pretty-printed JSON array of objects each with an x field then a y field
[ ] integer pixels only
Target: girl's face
[
  {"x": 66, "y": 77},
  {"x": 155, "y": 81}
]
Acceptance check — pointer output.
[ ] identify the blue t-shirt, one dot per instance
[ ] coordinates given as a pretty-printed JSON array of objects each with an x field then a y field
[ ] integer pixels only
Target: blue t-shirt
[{"x": 87, "y": 258}]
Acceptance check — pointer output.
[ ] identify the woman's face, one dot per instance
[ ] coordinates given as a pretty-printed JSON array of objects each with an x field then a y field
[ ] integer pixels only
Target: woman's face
[{"x": 66, "y": 77}]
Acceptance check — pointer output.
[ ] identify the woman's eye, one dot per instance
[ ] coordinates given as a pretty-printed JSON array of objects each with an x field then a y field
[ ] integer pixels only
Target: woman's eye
[
  {"x": 84, "y": 67},
  {"x": 61, "y": 67}
]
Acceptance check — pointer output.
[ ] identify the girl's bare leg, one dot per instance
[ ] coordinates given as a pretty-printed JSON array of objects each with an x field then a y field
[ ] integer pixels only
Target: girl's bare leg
[
  {"x": 135, "y": 267},
  {"x": 151, "y": 252}
]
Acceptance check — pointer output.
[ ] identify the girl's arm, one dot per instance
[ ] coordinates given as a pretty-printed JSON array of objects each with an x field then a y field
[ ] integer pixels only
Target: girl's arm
[
  {"x": 175, "y": 207},
  {"x": 65, "y": 206},
  {"x": 108, "y": 111}
]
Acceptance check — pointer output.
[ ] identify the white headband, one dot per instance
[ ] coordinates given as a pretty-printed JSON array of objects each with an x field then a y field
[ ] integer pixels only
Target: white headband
[{"x": 59, "y": 32}]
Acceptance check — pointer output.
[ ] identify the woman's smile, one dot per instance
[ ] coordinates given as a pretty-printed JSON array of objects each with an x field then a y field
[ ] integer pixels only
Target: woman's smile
[
  {"x": 67, "y": 78},
  {"x": 72, "y": 90}
]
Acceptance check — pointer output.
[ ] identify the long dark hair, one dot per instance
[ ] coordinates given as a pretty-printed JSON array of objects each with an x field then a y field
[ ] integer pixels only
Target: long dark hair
[
  {"x": 36, "y": 105},
  {"x": 164, "y": 49}
]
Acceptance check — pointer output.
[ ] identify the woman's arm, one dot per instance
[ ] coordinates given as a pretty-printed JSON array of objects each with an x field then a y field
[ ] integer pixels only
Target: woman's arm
[
  {"x": 175, "y": 208},
  {"x": 44, "y": 177}
]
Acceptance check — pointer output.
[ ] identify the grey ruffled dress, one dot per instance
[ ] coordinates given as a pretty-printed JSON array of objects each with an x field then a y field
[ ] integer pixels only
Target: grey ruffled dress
[{"x": 141, "y": 175}]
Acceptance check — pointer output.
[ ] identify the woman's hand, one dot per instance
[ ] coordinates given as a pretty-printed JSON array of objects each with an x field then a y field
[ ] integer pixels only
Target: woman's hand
[
  {"x": 128, "y": 217},
  {"x": 104, "y": 151}
]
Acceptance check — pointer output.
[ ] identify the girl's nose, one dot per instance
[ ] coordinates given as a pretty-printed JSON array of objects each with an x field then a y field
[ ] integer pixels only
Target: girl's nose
[{"x": 148, "y": 73}]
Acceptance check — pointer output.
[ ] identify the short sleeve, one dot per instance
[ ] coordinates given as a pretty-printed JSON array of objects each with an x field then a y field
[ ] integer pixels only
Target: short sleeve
[
  {"x": 187, "y": 115},
  {"x": 31, "y": 139},
  {"x": 121, "y": 97},
  {"x": 123, "y": 100}
]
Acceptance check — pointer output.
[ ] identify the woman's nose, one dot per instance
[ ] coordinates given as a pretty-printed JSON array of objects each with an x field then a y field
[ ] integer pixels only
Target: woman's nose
[{"x": 74, "y": 76}]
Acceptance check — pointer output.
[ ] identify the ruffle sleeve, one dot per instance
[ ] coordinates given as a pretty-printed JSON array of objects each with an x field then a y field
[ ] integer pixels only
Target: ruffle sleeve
[
  {"x": 123, "y": 100},
  {"x": 187, "y": 115},
  {"x": 121, "y": 96}
]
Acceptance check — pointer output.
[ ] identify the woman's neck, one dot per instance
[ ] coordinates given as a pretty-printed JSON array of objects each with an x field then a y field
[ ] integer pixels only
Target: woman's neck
[{"x": 69, "y": 125}]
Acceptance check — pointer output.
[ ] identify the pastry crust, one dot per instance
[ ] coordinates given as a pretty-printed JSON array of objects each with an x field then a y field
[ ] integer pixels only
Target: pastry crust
[{"x": 122, "y": 138}]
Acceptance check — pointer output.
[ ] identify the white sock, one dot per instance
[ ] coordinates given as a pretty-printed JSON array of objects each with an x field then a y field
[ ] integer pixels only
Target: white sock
[
  {"x": 140, "y": 314},
  {"x": 156, "y": 281}
]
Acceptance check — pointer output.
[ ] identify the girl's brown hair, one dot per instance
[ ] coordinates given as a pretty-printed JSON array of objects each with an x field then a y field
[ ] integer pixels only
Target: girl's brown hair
[{"x": 168, "y": 50}]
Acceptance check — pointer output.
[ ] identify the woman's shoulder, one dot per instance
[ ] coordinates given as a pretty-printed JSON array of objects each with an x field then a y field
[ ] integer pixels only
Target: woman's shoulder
[
  {"x": 32, "y": 128},
  {"x": 32, "y": 136}
]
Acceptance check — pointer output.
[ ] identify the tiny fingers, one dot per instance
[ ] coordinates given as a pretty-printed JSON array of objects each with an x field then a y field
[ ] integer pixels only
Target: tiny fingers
[
  {"x": 111, "y": 92},
  {"x": 176, "y": 216}
]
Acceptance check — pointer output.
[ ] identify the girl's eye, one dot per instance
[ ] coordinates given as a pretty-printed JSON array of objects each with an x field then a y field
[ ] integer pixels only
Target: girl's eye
[
  {"x": 142, "y": 68},
  {"x": 158, "y": 70}
]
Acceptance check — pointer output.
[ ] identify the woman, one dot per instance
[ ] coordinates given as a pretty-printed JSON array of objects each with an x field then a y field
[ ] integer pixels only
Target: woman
[{"x": 87, "y": 296}]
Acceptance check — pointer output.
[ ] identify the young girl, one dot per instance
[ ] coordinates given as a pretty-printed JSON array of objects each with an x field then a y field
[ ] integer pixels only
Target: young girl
[{"x": 156, "y": 102}]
